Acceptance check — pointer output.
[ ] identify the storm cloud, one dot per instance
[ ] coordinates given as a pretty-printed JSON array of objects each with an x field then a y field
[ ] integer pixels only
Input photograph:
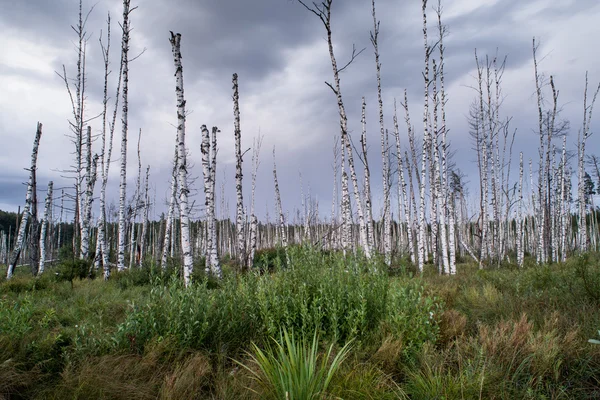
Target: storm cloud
[{"x": 279, "y": 51}]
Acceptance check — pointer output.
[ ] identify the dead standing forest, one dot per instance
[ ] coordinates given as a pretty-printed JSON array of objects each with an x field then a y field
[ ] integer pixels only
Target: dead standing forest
[{"x": 420, "y": 299}]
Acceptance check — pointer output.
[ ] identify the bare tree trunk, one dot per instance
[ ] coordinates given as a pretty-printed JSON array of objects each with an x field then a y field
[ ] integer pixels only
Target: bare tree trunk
[
  {"x": 145, "y": 220},
  {"x": 133, "y": 243},
  {"x": 564, "y": 210},
  {"x": 368, "y": 201},
  {"x": 253, "y": 218},
  {"x": 387, "y": 239},
  {"x": 102, "y": 253},
  {"x": 484, "y": 170},
  {"x": 33, "y": 238},
  {"x": 169, "y": 225},
  {"x": 426, "y": 145},
  {"x": 282, "y": 226},
  {"x": 124, "y": 125},
  {"x": 45, "y": 222},
  {"x": 188, "y": 264},
  {"x": 587, "y": 118},
  {"x": 91, "y": 166},
  {"x": 402, "y": 197},
  {"x": 448, "y": 206},
  {"x": 28, "y": 198},
  {"x": 209, "y": 166},
  {"x": 520, "y": 215},
  {"x": 323, "y": 11},
  {"x": 239, "y": 221}
]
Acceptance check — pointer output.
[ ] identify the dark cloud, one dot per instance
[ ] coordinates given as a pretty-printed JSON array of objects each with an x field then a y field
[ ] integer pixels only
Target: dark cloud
[{"x": 290, "y": 103}]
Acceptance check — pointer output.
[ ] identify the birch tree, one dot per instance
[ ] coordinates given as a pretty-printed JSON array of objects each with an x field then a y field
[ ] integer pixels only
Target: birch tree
[
  {"x": 88, "y": 198},
  {"x": 584, "y": 135},
  {"x": 323, "y": 12},
  {"x": 28, "y": 197},
  {"x": 45, "y": 222},
  {"x": 209, "y": 165},
  {"x": 367, "y": 175},
  {"x": 102, "y": 253},
  {"x": 253, "y": 218},
  {"x": 145, "y": 218},
  {"x": 282, "y": 225},
  {"x": 239, "y": 221},
  {"x": 171, "y": 213},
  {"x": 188, "y": 264},
  {"x": 385, "y": 169},
  {"x": 124, "y": 126},
  {"x": 426, "y": 147}
]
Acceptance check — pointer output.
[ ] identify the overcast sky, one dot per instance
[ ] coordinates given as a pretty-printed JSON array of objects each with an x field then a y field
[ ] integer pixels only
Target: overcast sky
[{"x": 279, "y": 51}]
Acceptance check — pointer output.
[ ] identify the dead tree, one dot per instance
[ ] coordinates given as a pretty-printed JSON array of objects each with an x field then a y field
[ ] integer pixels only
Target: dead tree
[
  {"x": 45, "y": 222},
  {"x": 323, "y": 12},
  {"x": 239, "y": 220},
  {"x": 28, "y": 199},
  {"x": 188, "y": 264}
]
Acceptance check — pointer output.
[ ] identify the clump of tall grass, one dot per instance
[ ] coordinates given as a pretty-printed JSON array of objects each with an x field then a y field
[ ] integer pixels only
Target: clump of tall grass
[{"x": 292, "y": 368}]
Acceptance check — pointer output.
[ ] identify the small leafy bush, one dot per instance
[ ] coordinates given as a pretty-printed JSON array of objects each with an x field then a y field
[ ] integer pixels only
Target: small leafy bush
[
  {"x": 70, "y": 270},
  {"x": 329, "y": 294}
]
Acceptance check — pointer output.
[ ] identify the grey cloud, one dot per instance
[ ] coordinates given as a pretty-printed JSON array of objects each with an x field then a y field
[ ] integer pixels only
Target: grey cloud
[{"x": 254, "y": 38}]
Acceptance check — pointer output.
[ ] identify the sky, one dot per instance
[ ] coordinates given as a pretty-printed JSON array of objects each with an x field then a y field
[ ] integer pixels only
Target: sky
[{"x": 279, "y": 51}]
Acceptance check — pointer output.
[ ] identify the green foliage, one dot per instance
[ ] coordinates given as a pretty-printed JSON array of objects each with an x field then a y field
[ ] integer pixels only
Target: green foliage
[
  {"x": 588, "y": 273},
  {"x": 323, "y": 293},
  {"x": 292, "y": 368},
  {"x": 21, "y": 284},
  {"x": 15, "y": 317},
  {"x": 502, "y": 333},
  {"x": 269, "y": 260},
  {"x": 70, "y": 270}
]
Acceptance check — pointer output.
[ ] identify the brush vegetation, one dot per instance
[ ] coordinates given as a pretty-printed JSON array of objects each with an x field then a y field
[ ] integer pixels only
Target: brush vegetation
[{"x": 502, "y": 333}]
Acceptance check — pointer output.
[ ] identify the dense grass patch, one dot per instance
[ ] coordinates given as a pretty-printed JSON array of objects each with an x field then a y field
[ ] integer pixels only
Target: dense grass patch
[{"x": 499, "y": 333}]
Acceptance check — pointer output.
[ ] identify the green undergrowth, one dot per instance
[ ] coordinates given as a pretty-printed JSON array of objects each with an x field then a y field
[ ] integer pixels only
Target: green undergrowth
[{"x": 483, "y": 334}]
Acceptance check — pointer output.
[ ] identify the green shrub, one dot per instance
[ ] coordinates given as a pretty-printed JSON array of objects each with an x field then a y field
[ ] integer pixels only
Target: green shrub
[
  {"x": 23, "y": 284},
  {"x": 324, "y": 293},
  {"x": 70, "y": 270},
  {"x": 269, "y": 260}
]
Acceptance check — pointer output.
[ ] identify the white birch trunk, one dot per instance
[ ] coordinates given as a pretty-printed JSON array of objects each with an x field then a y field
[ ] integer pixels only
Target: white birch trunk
[
  {"x": 239, "y": 221},
  {"x": 520, "y": 256},
  {"x": 323, "y": 11},
  {"x": 282, "y": 226},
  {"x": 368, "y": 202},
  {"x": 188, "y": 264},
  {"x": 171, "y": 213},
  {"x": 402, "y": 188},
  {"x": 426, "y": 144},
  {"x": 21, "y": 234},
  {"x": 45, "y": 222},
  {"x": 102, "y": 253},
  {"x": 253, "y": 218},
  {"x": 145, "y": 220},
  {"x": 214, "y": 256},
  {"x": 387, "y": 239},
  {"x": 124, "y": 127}
]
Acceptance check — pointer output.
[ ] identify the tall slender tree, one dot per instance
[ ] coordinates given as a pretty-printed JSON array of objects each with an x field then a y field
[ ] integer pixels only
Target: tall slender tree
[
  {"x": 28, "y": 197},
  {"x": 239, "y": 220},
  {"x": 126, "y": 29},
  {"x": 188, "y": 265}
]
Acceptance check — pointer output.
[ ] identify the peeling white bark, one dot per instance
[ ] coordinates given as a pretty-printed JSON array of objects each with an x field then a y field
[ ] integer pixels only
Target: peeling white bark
[
  {"x": 188, "y": 264},
  {"x": 21, "y": 234}
]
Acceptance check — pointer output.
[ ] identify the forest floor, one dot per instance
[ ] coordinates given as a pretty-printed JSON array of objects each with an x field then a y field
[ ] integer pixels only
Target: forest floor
[{"x": 497, "y": 333}]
